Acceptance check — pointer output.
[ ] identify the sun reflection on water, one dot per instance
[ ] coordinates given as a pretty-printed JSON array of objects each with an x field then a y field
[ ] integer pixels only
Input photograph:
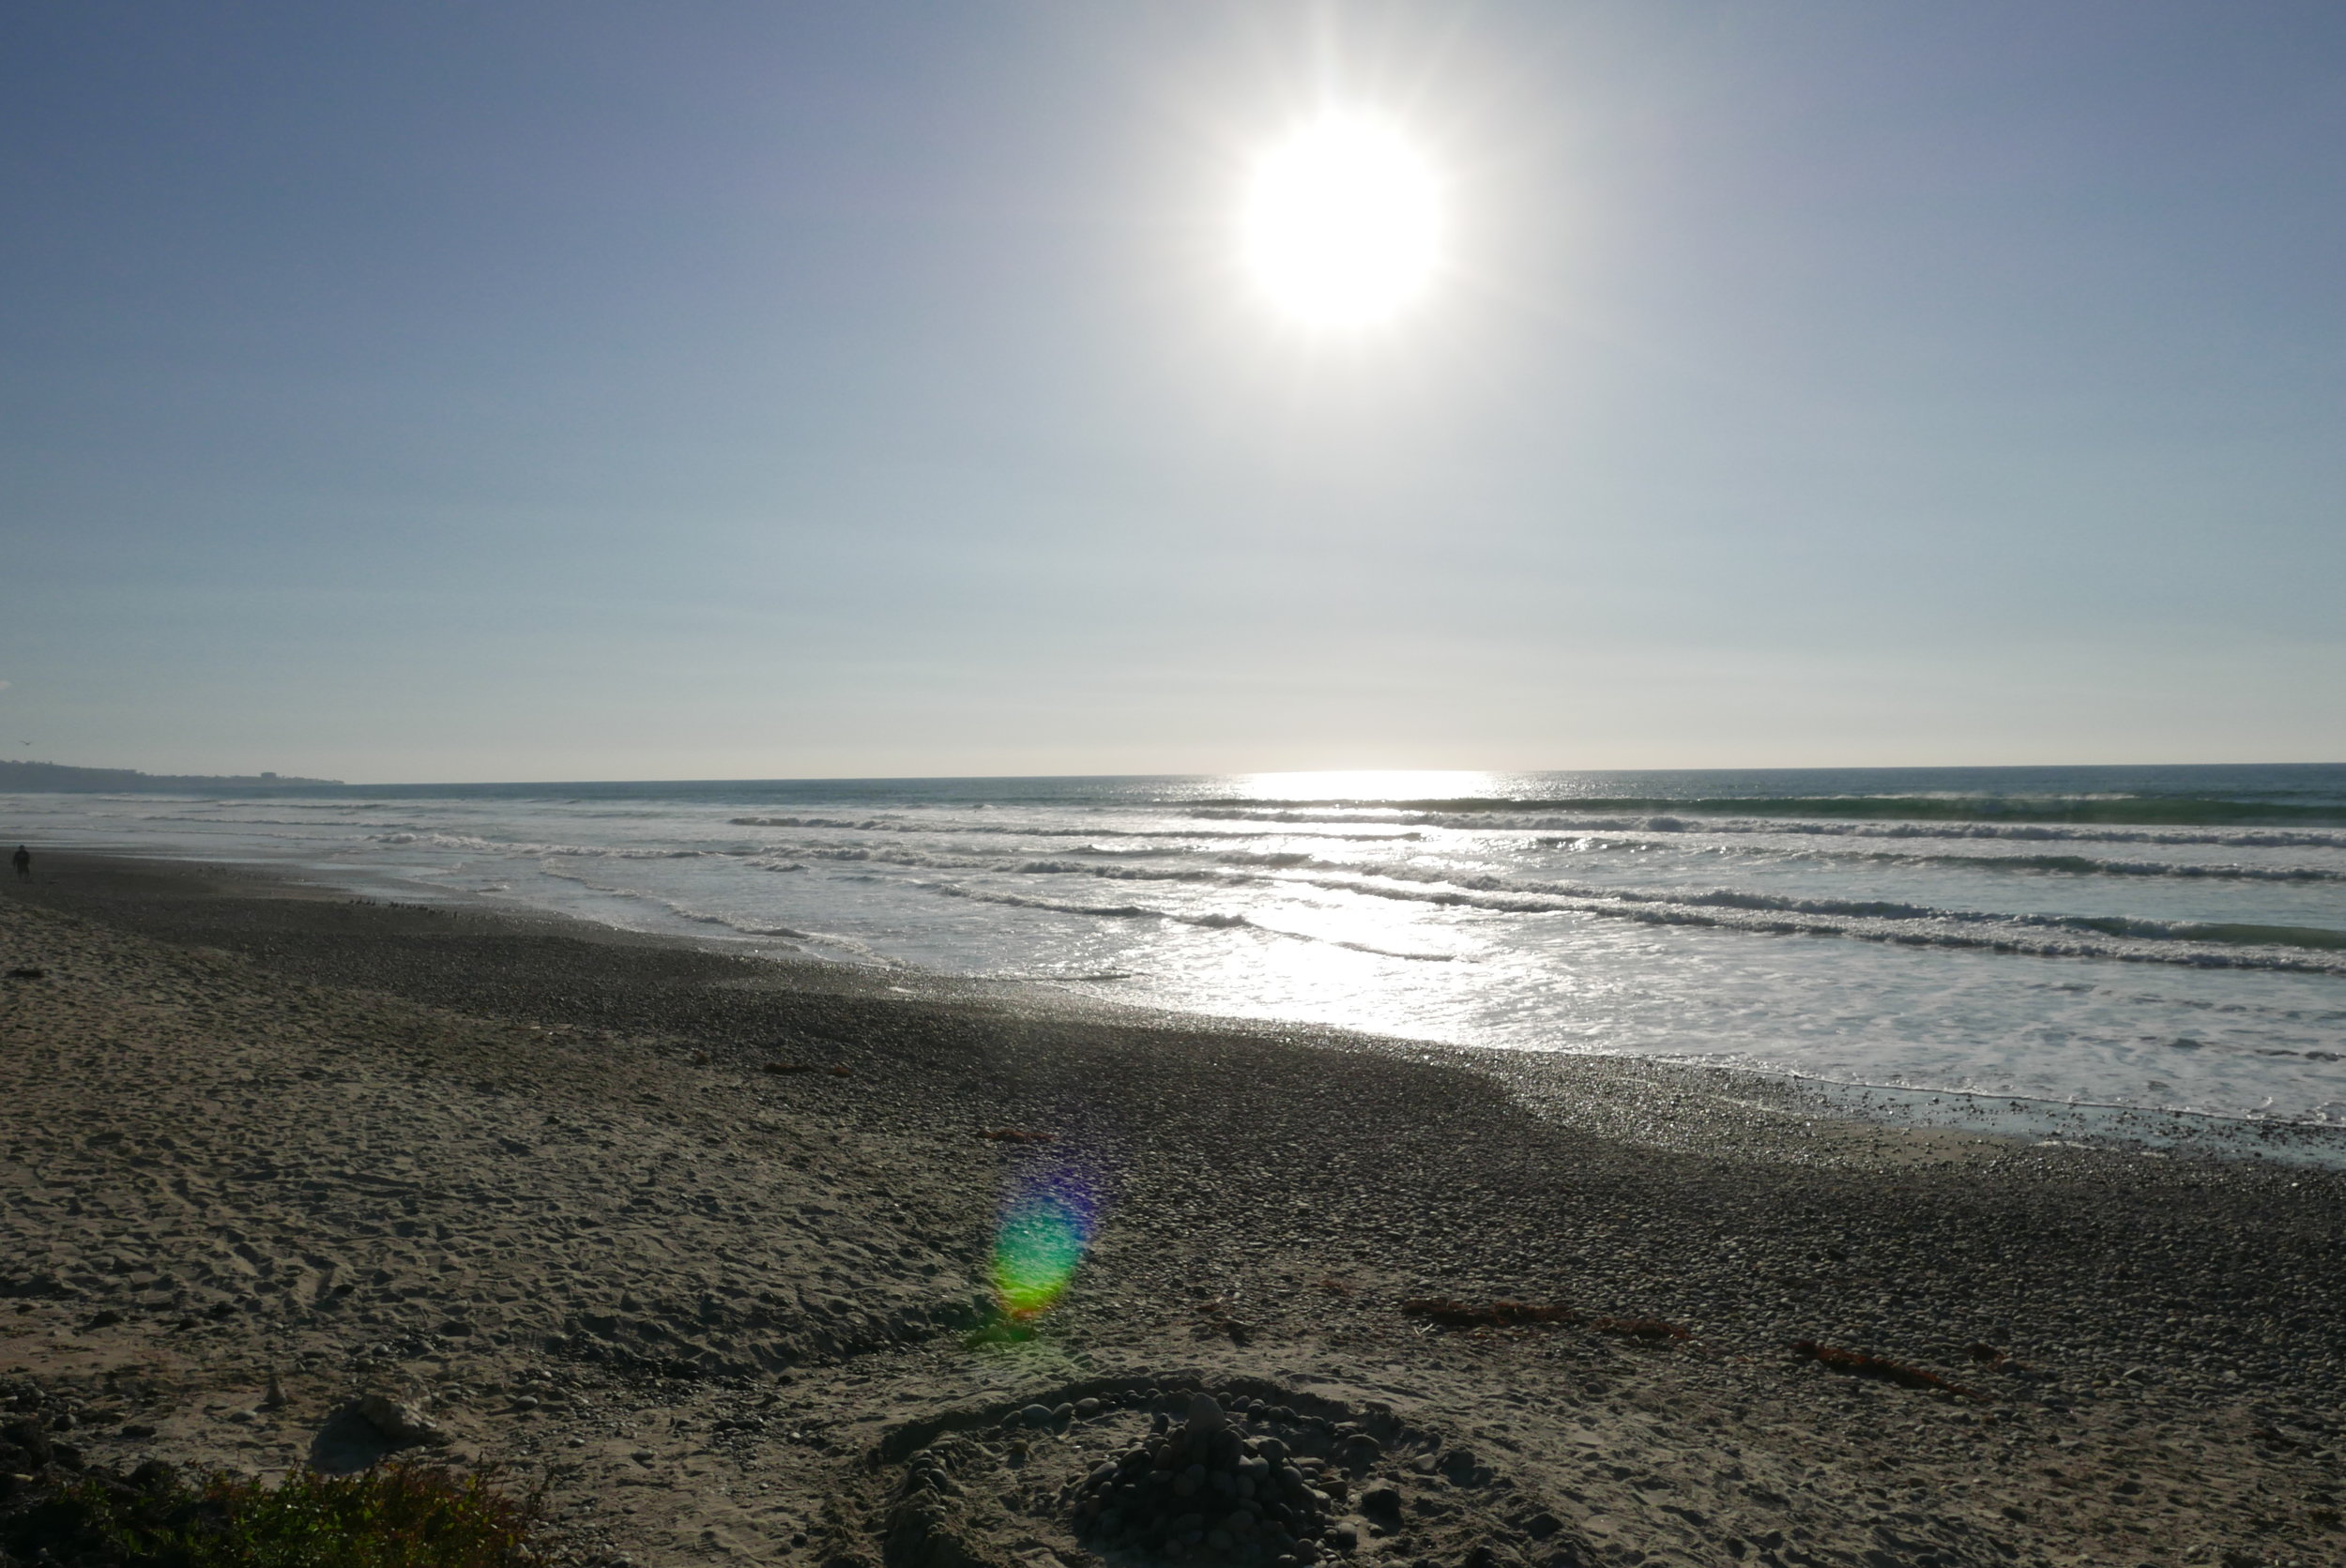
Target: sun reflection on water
[{"x": 1371, "y": 784}]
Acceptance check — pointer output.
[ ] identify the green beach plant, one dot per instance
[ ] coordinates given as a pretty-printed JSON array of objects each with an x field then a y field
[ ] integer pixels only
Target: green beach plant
[{"x": 394, "y": 1515}]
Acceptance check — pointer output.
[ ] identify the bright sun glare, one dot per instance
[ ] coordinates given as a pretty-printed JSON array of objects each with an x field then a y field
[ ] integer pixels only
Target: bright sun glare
[{"x": 1343, "y": 224}]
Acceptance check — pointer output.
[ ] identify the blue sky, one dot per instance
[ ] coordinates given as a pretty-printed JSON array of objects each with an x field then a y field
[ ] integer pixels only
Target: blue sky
[{"x": 571, "y": 391}]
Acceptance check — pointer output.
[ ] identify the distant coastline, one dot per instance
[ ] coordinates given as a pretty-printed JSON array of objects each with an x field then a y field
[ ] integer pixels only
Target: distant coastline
[{"x": 57, "y": 777}]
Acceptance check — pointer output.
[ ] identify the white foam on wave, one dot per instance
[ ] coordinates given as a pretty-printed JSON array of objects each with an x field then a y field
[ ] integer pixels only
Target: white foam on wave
[
  {"x": 473, "y": 843},
  {"x": 1488, "y": 822},
  {"x": 1895, "y": 924},
  {"x": 2076, "y": 865},
  {"x": 892, "y": 825},
  {"x": 860, "y": 952},
  {"x": 2194, "y": 944},
  {"x": 1211, "y": 920}
]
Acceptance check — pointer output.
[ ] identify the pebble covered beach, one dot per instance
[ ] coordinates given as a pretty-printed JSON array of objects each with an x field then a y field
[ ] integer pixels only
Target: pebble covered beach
[{"x": 708, "y": 1244}]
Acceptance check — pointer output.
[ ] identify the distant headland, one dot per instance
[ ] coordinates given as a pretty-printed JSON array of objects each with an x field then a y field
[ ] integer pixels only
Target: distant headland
[{"x": 53, "y": 777}]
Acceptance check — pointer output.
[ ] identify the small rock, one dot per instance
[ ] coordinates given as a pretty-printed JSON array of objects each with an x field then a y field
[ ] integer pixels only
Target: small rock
[
  {"x": 1035, "y": 1415},
  {"x": 401, "y": 1424},
  {"x": 1205, "y": 1415}
]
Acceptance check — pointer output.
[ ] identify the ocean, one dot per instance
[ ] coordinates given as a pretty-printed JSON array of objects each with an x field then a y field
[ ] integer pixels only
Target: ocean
[{"x": 2167, "y": 938}]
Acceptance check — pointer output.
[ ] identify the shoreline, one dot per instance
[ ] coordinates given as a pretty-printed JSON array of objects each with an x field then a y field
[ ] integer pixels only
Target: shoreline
[
  {"x": 1545, "y": 1079},
  {"x": 538, "y": 1178}
]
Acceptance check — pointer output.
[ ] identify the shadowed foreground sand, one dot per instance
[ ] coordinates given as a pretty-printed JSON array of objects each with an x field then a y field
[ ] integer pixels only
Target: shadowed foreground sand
[{"x": 540, "y": 1182}]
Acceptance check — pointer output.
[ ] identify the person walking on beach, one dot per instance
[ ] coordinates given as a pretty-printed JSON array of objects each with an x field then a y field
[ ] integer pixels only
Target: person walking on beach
[{"x": 24, "y": 858}]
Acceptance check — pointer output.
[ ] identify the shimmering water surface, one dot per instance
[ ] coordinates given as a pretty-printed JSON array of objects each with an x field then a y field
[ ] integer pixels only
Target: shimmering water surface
[{"x": 2169, "y": 937}]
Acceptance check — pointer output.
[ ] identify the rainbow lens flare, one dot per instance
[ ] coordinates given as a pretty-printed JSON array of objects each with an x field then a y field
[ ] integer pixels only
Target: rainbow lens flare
[{"x": 1047, "y": 1221}]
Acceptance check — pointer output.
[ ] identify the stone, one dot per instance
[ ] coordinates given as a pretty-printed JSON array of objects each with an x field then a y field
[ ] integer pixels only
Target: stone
[
  {"x": 401, "y": 1426},
  {"x": 1205, "y": 1415}
]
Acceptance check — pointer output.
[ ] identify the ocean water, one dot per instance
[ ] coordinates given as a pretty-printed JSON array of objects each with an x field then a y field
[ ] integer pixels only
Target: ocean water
[{"x": 2154, "y": 938}]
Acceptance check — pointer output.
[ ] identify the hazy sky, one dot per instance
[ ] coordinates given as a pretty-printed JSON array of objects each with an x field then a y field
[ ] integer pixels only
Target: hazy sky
[{"x": 502, "y": 391}]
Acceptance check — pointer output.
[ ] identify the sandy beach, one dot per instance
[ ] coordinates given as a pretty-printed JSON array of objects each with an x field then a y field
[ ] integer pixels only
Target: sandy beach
[{"x": 701, "y": 1240}]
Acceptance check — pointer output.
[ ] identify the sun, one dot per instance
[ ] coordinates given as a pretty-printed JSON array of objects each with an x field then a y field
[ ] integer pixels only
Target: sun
[{"x": 1342, "y": 225}]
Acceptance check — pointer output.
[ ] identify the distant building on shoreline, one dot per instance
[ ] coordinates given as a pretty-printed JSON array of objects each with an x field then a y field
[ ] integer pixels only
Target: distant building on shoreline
[{"x": 57, "y": 779}]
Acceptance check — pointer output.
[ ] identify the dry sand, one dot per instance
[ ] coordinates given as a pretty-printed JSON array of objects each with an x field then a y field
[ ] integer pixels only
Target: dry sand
[{"x": 535, "y": 1180}]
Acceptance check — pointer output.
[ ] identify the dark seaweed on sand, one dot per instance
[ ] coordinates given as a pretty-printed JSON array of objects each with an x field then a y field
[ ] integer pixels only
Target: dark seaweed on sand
[{"x": 1859, "y": 1363}]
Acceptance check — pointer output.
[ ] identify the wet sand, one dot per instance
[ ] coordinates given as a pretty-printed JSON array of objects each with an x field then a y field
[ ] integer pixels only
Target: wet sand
[{"x": 540, "y": 1181}]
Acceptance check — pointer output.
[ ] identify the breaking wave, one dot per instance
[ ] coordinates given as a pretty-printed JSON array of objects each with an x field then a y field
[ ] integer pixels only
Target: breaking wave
[
  {"x": 890, "y": 824},
  {"x": 1669, "y": 824},
  {"x": 2192, "y": 945},
  {"x": 684, "y": 911},
  {"x": 2190, "y": 811},
  {"x": 472, "y": 845},
  {"x": 2071, "y": 865},
  {"x": 1212, "y": 920}
]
